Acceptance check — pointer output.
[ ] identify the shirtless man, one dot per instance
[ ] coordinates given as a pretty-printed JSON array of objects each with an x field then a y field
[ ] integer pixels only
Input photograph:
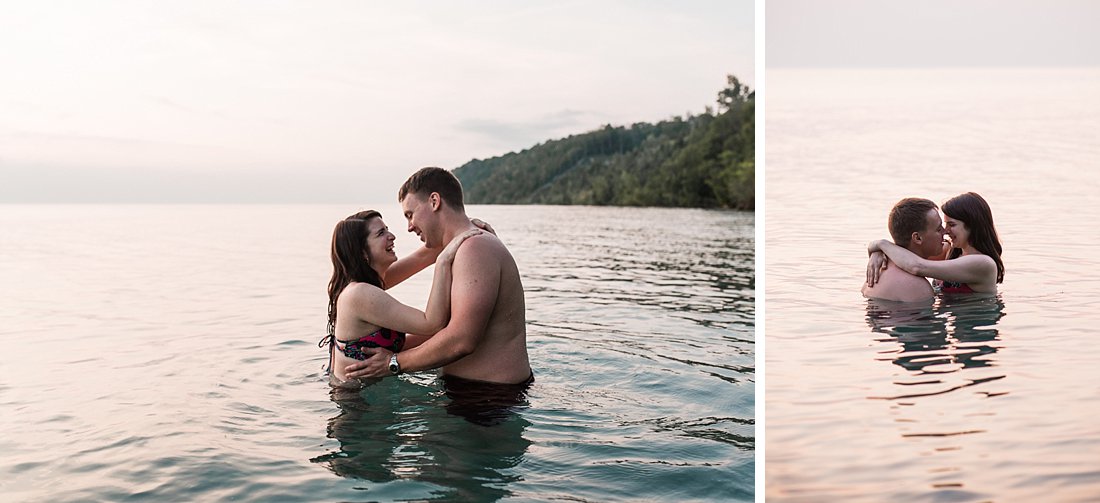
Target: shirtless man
[
  {"x": 914, "y": 224},
  {"x": 486, "y": 338}
]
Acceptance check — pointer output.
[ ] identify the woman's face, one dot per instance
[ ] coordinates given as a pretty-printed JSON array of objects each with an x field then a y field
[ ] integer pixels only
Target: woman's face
[
  {"x": 380, "y": 245},
  {"x": 957, "y": 231}
]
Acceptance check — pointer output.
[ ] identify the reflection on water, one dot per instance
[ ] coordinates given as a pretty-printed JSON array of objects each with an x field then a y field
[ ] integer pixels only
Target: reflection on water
[
  {"x": 968, "y": 399},
  {"x": 938, "y": 339},
  {"x": 447, "y": 445},
  {"x": 948, "y": 351},
  {"x": 482, "y": 403}
]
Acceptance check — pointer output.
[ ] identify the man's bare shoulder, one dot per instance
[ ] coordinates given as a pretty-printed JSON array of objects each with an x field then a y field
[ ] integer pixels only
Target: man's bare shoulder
[
  {"x": 898, "y": 285},
  {"x": 483, "y": 248}
]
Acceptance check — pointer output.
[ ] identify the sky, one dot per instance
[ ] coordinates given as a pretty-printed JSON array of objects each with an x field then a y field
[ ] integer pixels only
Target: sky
[
  {"x": 931, "y": 33},
  {"x": 331, "y": 101}
]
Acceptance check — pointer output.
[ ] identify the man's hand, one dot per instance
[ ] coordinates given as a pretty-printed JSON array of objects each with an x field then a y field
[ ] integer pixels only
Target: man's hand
[
  {"x": 876, "y": 263},
  {"x": 377, "y": 364}
]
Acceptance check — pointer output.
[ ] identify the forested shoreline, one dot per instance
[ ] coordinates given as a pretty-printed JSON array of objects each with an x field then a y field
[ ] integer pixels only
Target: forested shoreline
[{"x": 701, "y": 161}]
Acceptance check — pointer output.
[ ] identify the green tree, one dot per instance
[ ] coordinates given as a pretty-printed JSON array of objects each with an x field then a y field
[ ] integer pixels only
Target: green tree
[
  {"x": 704, "y": 160},
  {"x": 734, "y": 93}
]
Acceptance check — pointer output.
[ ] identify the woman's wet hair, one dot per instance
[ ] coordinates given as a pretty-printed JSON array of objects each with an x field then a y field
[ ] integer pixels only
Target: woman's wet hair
[
  {"x": 349, "y": 259},
  {"x": 974, "y": 212}
]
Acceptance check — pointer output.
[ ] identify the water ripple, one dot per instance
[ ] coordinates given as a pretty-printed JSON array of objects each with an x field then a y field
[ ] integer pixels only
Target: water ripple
[{"x": 211, "y": 390}]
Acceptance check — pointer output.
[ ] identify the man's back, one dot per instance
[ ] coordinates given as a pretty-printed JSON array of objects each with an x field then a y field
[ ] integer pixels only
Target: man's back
[
  {"x": 898, "y": 285},
  {"x": 486, "y": 280}
]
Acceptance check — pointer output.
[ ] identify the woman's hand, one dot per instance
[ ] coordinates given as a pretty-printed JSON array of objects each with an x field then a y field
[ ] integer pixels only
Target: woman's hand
[
  {"x": 873, "y": 246},
  {"x": 876, "y": 263},
  {"x": 483, "y": 225},
  {"x": 448, "y": 254}
]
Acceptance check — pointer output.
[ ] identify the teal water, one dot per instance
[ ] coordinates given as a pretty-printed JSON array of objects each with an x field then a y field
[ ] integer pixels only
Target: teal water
[{"x": 169, "y": 353}]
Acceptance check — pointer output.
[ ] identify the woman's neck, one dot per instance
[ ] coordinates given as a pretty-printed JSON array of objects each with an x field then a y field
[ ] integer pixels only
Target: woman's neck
[
  {"x": 381, "y": 273},
  {"x": 969, "y": 249}
]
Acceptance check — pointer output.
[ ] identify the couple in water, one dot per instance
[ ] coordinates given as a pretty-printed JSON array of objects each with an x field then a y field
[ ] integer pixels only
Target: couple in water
[
  {"x": 968, "y": 261},
  {"x": 473, "y": 327}
]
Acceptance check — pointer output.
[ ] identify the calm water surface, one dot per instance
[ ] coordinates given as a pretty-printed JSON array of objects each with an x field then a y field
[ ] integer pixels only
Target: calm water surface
[
  {"x": 991, "y": 398},
  {"x": 170, "y": 353}
]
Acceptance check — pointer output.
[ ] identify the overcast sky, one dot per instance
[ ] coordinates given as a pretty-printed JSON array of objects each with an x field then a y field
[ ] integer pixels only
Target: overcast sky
[
  {"x": 932, "y": 33},
  {"x": 331, "y": 101}
]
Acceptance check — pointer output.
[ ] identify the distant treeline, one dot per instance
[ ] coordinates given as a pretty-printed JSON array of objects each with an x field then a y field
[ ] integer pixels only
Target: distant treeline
[{"x": 702, "y": 161}]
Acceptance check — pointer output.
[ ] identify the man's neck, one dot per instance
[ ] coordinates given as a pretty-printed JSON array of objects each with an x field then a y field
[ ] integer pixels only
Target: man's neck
[{"x": 454, "y": 223}]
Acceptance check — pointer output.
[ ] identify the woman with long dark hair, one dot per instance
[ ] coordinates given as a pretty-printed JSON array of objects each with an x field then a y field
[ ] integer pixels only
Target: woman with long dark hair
[
  {"x": 360, "y": 312},
  {"x": 973, "y": 255}
]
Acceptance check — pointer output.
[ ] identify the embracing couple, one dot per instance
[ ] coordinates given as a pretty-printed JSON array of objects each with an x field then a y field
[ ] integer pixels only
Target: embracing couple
[
  {"x": 473, "y": 327},
  {"x": 967, "y": 261}
]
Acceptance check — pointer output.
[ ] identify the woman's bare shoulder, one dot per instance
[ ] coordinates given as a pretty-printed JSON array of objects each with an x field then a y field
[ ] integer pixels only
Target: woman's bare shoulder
[{"x": 358, "y": 291}]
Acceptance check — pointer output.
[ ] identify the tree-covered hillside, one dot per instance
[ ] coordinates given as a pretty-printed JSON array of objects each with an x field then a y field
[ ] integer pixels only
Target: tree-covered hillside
[{"x": 704, "y": 161}]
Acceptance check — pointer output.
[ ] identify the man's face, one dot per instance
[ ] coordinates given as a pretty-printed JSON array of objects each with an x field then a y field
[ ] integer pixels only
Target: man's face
[
  {"x": 931, "y": 239},
  {"x": 418, "y": 212}
]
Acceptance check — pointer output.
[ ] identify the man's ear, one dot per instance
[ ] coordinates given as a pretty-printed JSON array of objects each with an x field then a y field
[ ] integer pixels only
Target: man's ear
[
  {"x": 434, "y": 201},
  {"x": 915, "y": 238}
]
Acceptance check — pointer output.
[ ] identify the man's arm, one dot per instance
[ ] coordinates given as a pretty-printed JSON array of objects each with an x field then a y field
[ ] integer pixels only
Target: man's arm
[{"x": 474, "y": 290}]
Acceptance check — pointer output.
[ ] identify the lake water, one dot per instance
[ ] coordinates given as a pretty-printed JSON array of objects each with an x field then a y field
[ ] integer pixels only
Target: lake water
[
  {"x": 969, "y": 399},
  {"x": 170, "y": 353}
]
